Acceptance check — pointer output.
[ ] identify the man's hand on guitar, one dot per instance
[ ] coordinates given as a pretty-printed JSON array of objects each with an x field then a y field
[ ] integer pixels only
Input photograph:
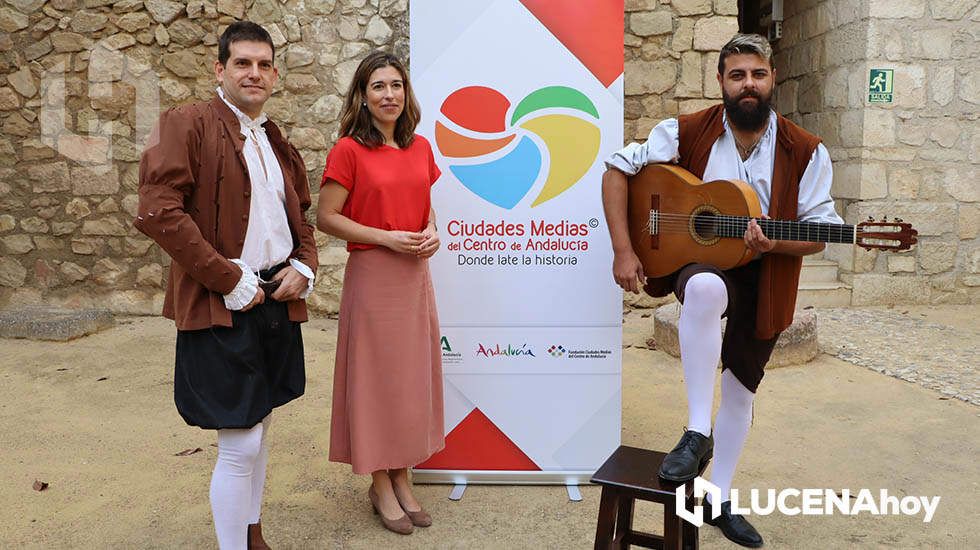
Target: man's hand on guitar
[
  {"x": 756, "y": 240},
  {"x": 628, "y": 271}
]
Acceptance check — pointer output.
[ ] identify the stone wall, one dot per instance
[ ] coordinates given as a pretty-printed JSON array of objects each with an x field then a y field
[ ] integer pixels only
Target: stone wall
[
  {"x": 672, "y": 58},
  {"x": 914, "y": 158},
  {"x": 82, "y": 83}
]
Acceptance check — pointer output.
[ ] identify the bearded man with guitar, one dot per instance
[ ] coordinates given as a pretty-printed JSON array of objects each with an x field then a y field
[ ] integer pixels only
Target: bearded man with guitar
[{"x": 790, "y": 172}]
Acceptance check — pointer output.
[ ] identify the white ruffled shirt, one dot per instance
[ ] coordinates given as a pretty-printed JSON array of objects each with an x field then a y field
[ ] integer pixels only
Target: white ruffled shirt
[
  {"x": 724, "y": 163},
  {"x": 268, "y": 241}
]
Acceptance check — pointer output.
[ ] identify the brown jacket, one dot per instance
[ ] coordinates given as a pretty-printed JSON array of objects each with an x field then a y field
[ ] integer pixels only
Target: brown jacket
[
  {"x": 194, "y": 198},
  {"x": 779, "y": 275}
]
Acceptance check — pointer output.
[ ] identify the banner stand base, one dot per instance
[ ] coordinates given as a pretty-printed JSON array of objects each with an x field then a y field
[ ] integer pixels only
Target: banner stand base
[
  {"x": 457, "y": 492},
  {"x": 574, "y": 494},
  {"x": 502, "y": 477}
]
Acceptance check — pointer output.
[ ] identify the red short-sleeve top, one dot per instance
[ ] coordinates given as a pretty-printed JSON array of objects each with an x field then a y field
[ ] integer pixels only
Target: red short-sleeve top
[{"x": 389, "y": 187}]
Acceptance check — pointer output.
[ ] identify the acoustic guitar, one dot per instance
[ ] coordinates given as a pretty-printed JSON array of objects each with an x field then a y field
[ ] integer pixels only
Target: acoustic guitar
[{"x": 675, "y": 219}]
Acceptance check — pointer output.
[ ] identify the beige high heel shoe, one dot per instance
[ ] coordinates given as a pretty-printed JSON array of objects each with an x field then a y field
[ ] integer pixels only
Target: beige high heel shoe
[{"x": 402, "y": 525}]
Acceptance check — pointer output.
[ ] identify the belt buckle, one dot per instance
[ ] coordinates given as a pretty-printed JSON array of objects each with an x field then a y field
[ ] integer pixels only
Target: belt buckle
[{"x": 268, "y": 287}]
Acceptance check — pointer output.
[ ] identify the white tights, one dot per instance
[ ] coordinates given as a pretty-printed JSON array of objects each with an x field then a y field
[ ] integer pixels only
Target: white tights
[
  {"x": 699, "y": 328},
  {"x": 237, "y": 483}
]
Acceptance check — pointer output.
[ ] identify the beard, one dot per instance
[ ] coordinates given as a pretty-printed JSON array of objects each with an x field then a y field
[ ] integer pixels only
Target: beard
[{"x": 748, "y": 118}]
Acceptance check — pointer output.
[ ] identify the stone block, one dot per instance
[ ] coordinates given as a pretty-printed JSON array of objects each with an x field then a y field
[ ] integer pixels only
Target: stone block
[
  {"x": 97, "y": 180},
  {"x": 726, "y": 7},
  {"x": 711, "y": 33},
  {"x": 860, "y": 180},
  {"x": 651, "y": 23},
  {"x": 941, "y": 85},
  {"x": 797, "y": 345},
  {"x": 12, "y": 21},
  {"x": 649, "y": 77},
  {"x": 16, "y": 244},
  {"x": 936, "y": 257},
  {"x": 49, "y": 323},
  {"x": 969, "y": 221},
  {"x": 683, "y": 38},
  {"x": 49, "y": 178},
  {"x": 711, "y": 87},
  {"x": 693, "y": 7},
  {"x": 12, "y": 273},
  {"x": 904, "y": 183},
  {"x": 689, "y": 83},
  {"x": 897, "y": 9},
  {"x": 23, "y": 82},
  {"x": 377, "y": 31},
  {"x": 969, "y": 89},
  {"x": 870, "y": 289},
  {"x": 910, "y": 86},
  {"x": 951, "y": 9},
  {"x": 901, "y": 264}
]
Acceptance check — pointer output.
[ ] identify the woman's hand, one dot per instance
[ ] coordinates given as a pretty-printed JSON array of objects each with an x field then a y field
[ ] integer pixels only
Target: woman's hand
[
  {"x": 430, "y": 242},
  {"x": 406, "y": 242}
]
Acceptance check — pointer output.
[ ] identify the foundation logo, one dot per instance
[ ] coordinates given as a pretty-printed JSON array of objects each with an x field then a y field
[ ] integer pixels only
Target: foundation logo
[
  {"x": 556, "y": 351},
  {"x": 500, "y": 158}
]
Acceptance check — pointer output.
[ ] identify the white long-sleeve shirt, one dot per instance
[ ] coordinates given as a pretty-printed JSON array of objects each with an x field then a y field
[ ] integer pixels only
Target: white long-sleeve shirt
[
  {"x": 268, "y": 241},
  {"x": 724, "y": 163}
]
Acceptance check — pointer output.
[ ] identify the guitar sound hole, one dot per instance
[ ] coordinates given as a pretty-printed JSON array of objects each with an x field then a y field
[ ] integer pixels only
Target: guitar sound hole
[{"x": 705, "y": 225}]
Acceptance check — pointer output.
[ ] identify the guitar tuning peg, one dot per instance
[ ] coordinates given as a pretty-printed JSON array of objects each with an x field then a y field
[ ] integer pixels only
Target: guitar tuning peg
[
  {"x": 898, "y": 220},
  {"x": 871, "y": 218}
]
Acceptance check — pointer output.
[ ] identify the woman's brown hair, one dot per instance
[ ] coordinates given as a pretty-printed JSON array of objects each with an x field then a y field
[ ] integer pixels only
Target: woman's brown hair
[{"x": 356, "y": 120}]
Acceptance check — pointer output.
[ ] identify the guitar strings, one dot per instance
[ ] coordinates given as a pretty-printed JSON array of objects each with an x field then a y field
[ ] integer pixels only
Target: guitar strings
[{"x": 681, "y": 223}]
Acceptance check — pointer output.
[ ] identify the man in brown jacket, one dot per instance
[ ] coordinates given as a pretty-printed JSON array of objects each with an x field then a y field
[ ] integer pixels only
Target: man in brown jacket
[
  {"x": 224, "y": 194},
  {"x": 790, "y": 171}
]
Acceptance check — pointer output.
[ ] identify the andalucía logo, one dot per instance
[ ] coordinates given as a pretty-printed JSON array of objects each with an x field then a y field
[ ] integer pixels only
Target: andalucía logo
[
  {"x": 509, "y": 351},
  {"x": 556, "y": 350},
  {"x": 496, "y": 157}
]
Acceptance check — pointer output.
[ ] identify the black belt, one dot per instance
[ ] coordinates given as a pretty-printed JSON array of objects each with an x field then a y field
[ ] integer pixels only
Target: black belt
[{"x": 266, "y": 283}]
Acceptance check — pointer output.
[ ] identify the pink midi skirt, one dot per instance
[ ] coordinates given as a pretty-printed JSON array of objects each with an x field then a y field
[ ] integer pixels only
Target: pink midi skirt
[{"x": 387, "y": 387}]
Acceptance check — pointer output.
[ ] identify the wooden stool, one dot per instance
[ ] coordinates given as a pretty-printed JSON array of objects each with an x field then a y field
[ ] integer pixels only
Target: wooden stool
[{"x": 631, "y": 474}]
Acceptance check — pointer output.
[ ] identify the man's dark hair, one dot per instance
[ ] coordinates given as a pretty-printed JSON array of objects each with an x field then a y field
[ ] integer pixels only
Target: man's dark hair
[
  {"x": 745, "y": 43},
  {"x": 242, "y": 31}
]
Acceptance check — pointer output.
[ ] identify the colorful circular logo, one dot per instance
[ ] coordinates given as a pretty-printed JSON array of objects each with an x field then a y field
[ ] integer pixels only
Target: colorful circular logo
[{"x": 494, "y": 155}]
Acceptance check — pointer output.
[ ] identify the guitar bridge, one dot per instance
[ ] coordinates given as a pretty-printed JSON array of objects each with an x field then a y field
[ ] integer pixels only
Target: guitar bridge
[{"x": 653, "y": 225}]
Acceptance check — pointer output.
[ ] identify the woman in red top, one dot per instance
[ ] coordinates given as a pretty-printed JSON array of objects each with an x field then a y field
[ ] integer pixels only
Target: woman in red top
[{"x": 387, "y": 394}]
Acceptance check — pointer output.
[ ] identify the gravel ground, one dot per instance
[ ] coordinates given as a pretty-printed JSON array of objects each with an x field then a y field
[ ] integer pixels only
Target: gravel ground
[{"x": 908, "y": 344}]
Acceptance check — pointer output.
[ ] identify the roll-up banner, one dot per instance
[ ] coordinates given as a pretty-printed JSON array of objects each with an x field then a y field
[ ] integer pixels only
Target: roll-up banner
[{"x": 521, "y": 100}]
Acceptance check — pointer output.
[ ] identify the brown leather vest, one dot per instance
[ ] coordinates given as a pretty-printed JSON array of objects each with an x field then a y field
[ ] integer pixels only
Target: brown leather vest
[{"x": 779, "y": 275}]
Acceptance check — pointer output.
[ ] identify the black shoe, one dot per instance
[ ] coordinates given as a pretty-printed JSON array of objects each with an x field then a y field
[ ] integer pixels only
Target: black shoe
[
  {"x": 689, "y": 457},
  {"x": 735, "y": 527}
]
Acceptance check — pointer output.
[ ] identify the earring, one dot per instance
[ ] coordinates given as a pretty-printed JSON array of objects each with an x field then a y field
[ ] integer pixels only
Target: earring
[{"x": 364, "y": 104}]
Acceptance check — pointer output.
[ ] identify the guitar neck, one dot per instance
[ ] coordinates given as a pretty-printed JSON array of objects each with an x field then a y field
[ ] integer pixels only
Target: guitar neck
[{"x": 784, "y": 230}]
